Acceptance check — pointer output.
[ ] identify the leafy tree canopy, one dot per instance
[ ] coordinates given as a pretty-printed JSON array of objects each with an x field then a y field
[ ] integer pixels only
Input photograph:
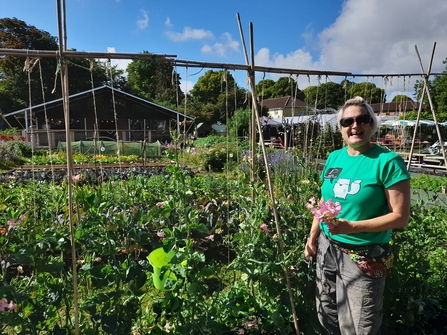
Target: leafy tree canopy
[
  {"x": 215, "y": 97},
  {"x": 154, "y": 80},
  {"x": 401, "y": 97},
  {"x": 211, "y": 85},
  {"x": 87, "y": 73},
  {"x": 239, "y": 123},
  {"x": 368, "y": 91},
  {"x": 284, "y": 86},
  {"x": 16, "y": 34},
  {"x": 40, "y": 82},
  {"x": 438, "y": 93},
  {"x": 264, "y": 89},
  {"x": 326, "y": 95}
]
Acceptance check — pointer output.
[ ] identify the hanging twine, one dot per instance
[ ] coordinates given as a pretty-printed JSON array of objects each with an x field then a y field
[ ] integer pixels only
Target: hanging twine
[{"x": 30, "y": 63}]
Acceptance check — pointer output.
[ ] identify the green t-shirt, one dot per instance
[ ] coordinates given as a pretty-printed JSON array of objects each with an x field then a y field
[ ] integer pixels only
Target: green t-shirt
[{"x": 358, "y": 183}]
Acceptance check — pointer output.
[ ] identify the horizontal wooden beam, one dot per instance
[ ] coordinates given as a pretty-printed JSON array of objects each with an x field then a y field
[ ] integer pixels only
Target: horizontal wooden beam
[{"x": 193, "y": 64}]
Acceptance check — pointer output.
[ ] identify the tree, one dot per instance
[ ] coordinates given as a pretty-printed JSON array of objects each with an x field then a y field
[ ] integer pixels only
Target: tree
[
  {"x": 264, "y": 88},
  {"x": 438, "y": 93},
  {"x": 15, "y": 88},
  {"x": 211, "y": 85},
  {"x": 154, "y": 80},
  {"x": 401, "y": 98},
  {"x": 85, "y": 73},
  {"x": 327, "y": 95},
  {"x": 16, "y": 34},
  {"x": 239, "y": 123},
  {"x": 286, "y": 86},
  {"x": 368, "y": 91},
  {"x": 215, "y": 97}
]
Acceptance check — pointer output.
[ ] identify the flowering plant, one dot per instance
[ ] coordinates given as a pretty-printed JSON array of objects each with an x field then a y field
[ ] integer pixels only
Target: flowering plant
[
  {"x": 324, "y": 211},
  {"x": 4, "y": 305}
]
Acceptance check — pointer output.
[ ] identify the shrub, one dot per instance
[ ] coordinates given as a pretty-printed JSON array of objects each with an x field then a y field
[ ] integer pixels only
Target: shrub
[
  {"x": 210, "y": 141},
  {"x": 10, "y": 131},
  {"x": 429, "y": 183},
  {"x": 9, "y": 156},
  {"x": 218, "y": 157}
]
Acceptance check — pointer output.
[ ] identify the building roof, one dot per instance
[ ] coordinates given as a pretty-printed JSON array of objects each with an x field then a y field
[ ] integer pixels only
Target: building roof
[
  {"x": 57, "y": 103},
  {"x": 403, "y": 106},
  {"x": 284, "y": 102}
]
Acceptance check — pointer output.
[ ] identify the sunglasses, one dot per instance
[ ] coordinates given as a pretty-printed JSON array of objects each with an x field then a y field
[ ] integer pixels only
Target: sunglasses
[{"x": 361, "y": 119}]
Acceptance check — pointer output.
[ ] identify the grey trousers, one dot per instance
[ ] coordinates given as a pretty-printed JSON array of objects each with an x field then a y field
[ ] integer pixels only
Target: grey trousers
[{"x": 348, "y": 302}]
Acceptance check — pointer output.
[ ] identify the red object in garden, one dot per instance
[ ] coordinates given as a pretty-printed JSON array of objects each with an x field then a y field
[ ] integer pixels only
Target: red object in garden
[
  {"x": 12, "y": 138},
  {"x": 280, "y": 142}
]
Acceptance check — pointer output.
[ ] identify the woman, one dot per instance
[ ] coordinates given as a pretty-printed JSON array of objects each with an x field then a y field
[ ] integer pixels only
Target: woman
[{"x": 372, "y": 185}]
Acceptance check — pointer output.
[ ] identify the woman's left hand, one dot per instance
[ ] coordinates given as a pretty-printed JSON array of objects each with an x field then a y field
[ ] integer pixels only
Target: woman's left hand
[{"x": 342, "y": 226}]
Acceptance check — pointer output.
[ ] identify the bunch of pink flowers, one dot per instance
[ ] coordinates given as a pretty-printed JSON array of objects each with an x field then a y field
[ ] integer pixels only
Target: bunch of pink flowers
[{"x": 324, "y": 211}]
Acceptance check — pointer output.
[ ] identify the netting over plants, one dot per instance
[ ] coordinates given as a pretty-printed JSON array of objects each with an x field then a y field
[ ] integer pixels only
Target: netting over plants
[{"x": 111, "y": 147}]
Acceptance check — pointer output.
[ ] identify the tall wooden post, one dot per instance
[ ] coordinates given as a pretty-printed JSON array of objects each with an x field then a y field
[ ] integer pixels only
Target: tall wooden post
[{"x": 65, "y": 96}]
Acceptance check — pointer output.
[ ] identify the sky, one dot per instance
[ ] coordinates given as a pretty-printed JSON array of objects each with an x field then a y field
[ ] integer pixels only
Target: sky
[{"x": 354, "y": 36}]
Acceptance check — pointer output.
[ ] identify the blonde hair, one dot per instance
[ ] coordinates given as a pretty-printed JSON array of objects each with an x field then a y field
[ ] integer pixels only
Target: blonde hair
[{"x": 359, "y": 101}]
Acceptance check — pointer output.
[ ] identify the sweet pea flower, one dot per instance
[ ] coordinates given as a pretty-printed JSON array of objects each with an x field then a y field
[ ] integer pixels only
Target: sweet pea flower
[
  {"x": 264, "y": 227},
  {"x": 325, "y": 211},
  {"x": 5, "y": 305},
  {"x": 75, "y": 178},
  {"x": 12, "y": 224},
  {"x": 161, "y": 235},
  {"x": 168, "y": 328}
]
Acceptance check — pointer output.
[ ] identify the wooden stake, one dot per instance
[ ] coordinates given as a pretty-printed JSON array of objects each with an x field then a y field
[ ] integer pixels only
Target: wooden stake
[
  {"x": 251, "y": 78},
  {"x": 425, "y": 90}
]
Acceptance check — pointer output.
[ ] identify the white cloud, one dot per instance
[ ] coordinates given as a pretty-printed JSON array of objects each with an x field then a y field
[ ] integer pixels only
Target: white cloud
[
  {"x": 222, "y": 49},
  {"x": 168, "y": 22},
  {"x": 380, "y": 36},
  {"x": 298, "y": 59},
  {"x": 144, "y": 22},
  {"x": 121, "y": 63},
  {"x": 374, "y": 37},
  {"x": 308, "y": 35},
  {"x": 290, "y": 61},
  {"x": 186, "y": 86},
  {"x": 190, "y": 34}
]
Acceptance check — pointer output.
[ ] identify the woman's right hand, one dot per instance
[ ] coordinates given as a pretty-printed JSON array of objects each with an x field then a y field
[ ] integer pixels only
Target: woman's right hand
[{"x": 310, "y": 250}]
